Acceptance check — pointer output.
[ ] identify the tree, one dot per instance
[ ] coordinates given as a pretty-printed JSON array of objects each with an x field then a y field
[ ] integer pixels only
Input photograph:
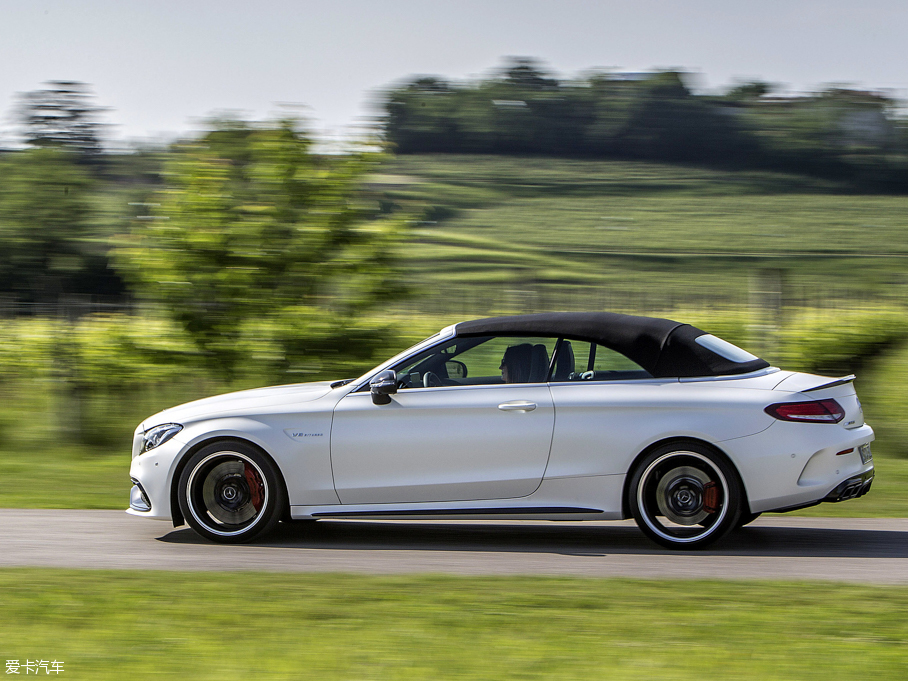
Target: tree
[
  {"x": 46, "y": 223},
  {"x": 749, "y": 91},
  {"x": 62, "y": 115},
  {"x": 527, "y": 73},
  {"x": 261, "y": 246},
  {"x": 667, "y": 122}
]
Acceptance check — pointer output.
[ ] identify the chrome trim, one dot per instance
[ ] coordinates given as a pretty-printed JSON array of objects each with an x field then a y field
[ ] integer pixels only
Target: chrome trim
[{"x": 137, "y": 499}]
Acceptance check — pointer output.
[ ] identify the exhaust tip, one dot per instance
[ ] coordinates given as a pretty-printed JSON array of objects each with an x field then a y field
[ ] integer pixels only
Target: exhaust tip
[{"x": 852, "y": 488}]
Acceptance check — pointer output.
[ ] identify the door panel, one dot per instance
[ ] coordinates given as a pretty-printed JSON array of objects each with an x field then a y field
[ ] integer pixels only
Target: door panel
[{"x": 442, "y": 444}]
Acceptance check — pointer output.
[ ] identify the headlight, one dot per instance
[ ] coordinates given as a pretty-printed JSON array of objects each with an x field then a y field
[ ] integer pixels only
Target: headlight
[{"x": 159, "y": 435}]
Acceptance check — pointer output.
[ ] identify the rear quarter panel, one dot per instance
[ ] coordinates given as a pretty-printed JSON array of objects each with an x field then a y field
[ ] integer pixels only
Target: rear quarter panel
[
  {"x": 791, "y": 464},
  {"x": 600, "y": 428}
]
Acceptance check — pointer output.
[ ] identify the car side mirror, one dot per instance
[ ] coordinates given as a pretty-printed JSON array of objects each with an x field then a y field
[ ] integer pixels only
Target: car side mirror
[
  {"x": 456, "y": 369},
  {"x": 383, "y": 386}
]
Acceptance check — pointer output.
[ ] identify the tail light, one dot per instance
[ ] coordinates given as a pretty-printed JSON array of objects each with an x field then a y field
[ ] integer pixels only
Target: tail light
[{"x": 814, "y": 411}]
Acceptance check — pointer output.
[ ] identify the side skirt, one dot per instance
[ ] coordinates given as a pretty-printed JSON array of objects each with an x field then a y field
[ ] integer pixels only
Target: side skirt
[{"x": 519, "y": 511}]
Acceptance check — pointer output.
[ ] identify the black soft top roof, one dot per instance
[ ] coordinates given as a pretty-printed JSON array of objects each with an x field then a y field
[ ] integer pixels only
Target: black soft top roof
[{"x": 665, "y": 348}]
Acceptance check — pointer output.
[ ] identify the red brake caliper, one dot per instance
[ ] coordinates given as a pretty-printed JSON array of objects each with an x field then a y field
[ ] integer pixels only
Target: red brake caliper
[
  {"x": 256, "y": 488},
  {"x": 710, "y": 497}
]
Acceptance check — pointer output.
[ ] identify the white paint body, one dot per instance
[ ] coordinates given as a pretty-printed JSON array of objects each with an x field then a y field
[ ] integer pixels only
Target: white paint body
[{"x": 543, "y": 450}]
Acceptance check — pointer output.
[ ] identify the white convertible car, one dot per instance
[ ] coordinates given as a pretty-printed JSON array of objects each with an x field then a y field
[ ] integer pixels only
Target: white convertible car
[{"x": 562, "y": 416}]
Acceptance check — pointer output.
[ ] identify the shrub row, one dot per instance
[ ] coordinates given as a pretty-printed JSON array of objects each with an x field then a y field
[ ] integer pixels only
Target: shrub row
[{"x": 109, "y": 352}]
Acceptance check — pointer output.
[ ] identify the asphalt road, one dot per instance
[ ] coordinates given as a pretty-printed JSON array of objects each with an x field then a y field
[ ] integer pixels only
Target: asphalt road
[{"x": 780, "y": 547}]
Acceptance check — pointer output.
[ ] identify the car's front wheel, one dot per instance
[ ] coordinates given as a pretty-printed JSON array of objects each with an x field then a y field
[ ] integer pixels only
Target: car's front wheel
[
  {"x": 229, "y": 492},
  {"x": 685, "y": 496}
]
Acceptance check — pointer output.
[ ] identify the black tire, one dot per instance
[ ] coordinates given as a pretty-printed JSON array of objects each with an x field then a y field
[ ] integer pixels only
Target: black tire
[
  {"x": 747, "y": 518},
  {"x": 685, "y": 496},
  {"x": 230, "y": 493}
]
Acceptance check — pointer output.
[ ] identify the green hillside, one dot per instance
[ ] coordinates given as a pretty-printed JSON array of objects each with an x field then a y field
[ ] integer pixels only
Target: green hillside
[{"x": 512, "y": 233}]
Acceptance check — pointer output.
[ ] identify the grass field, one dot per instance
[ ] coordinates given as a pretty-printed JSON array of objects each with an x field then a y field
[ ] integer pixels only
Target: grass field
[{"x": 115, "y": 625}]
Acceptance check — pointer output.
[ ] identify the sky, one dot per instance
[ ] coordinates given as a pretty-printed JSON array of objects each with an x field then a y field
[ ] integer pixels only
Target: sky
[{"x": 163, "y": 66}]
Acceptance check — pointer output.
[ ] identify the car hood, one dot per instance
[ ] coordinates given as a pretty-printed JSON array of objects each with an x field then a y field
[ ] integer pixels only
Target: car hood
[{"x": 256, "y": 400}]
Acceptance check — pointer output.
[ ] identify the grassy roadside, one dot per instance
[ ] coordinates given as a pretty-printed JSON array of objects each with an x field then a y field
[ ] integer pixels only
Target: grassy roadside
[{"x": 109, "y": 625}]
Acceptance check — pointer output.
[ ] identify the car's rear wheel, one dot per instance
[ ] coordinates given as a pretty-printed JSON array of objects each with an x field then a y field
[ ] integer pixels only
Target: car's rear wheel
[
  {"x": 230, "y": 492},
  {"x": 685, "y": 496}
]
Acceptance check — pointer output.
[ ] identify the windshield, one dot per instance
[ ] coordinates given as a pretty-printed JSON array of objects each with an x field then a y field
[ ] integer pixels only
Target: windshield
[{"x": 428, "y": 342}]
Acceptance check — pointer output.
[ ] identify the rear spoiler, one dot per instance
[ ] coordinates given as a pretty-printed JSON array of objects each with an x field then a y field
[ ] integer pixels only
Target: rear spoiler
[{"x": 832, "y": 384}]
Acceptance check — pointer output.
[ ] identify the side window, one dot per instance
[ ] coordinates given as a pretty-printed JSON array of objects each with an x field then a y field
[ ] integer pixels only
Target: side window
[
  {"x": 584, "y": 361},
  {"x": 509, "y": 359},
  {"x": 488, "y": 360}
]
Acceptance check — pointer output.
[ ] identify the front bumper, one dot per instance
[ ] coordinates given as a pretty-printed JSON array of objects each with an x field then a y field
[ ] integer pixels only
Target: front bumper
[{"x": 152, "y": 473}]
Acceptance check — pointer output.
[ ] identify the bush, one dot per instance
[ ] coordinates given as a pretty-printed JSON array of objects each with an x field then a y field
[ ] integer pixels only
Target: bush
[
  {"x": 839, "y": 341},
  {"x": 884, "y": 391},
  {"x": 98, "y": 352}
]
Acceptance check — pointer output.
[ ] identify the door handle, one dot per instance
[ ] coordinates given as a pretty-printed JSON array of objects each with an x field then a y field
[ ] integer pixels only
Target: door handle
[{"x": 517, "y": 406}]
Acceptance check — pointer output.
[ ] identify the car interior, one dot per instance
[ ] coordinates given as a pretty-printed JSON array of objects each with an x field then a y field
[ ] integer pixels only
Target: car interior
[{"x": 479, "y": 361}]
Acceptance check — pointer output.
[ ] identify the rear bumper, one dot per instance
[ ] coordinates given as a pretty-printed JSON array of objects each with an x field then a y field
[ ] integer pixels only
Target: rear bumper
[{"x": 794, "y": 465}]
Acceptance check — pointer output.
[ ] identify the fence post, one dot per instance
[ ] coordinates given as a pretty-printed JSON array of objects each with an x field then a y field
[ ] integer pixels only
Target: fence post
[{"x": 765, "y": 305}]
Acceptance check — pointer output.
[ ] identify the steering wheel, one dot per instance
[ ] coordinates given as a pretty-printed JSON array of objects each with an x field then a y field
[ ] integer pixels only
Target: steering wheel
[{"x": 430, "y": 380}]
